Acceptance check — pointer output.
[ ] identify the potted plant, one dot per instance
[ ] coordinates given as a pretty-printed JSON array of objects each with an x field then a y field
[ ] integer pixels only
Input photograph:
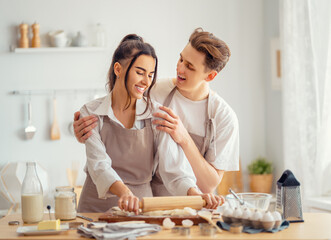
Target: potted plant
[{"x": 260, "y": 174}]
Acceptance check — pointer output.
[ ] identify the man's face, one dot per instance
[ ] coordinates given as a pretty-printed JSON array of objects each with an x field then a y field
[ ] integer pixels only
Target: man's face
[{"x": 191, "y": 70}]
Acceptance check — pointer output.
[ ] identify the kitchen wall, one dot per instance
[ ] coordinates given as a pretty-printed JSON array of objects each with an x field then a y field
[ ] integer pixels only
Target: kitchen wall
[{"x": 244, "y": 83}]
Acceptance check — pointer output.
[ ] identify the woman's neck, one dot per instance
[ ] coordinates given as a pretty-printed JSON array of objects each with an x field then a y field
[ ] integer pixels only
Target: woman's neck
[
  {"x": 124, "y": 113},
  {"x": 120, "y": 100}
]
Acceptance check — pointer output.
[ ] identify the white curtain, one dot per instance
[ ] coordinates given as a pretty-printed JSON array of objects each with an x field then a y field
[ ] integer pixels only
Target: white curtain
[{"x": 305, "y": 35}]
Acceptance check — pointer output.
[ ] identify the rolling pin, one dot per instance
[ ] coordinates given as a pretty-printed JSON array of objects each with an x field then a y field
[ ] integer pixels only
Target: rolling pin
[{"x": 168, "y": 203}]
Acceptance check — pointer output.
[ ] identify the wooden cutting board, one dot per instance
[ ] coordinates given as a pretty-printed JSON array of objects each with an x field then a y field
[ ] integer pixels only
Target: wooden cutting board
[{"x": 109, "y": 217}]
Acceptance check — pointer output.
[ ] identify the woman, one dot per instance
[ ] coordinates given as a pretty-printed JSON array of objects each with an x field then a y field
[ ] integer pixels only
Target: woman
[{"x": 125, "y": 149}]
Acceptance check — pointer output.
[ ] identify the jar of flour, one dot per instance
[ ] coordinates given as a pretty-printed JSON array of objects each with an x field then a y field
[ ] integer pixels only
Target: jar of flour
[{"x": 65, "y": 203}]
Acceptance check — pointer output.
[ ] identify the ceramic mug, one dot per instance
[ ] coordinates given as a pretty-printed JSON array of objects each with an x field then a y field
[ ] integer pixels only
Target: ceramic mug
[{"x": 59, "y": 39}]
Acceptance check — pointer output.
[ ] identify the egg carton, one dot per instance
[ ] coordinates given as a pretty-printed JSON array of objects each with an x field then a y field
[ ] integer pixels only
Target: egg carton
[{"x": 252, "y": 218}]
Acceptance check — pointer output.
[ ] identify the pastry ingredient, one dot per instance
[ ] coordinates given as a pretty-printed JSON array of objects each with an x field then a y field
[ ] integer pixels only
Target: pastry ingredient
[
  {"x": 32, "y": 208},
  {"x": 49, "y": 225},
  {"x": 187, "y": 211},
  {"x": 187, "y": 223},
  {"x": 168, "y": 224}
]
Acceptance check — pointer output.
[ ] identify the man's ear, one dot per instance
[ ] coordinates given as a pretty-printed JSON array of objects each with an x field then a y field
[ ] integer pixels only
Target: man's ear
[
  {"x": 211, "y": 76},
  {"x": 117, "y": 69}
]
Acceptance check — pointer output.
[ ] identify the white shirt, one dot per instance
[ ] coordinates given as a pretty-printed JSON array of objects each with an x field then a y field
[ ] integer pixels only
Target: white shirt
[
  {"x": 175, "y": 170},
  {"x": 194, "y": 115}
]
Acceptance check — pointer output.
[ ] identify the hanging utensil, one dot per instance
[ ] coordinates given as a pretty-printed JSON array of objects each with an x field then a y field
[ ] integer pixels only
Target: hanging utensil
[
  {"x": 55, "y": 130},
  {"x": 30, "y": 130}
]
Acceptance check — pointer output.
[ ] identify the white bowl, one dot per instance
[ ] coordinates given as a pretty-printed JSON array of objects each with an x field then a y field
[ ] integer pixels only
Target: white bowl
[{"x": 257, "y": 200}]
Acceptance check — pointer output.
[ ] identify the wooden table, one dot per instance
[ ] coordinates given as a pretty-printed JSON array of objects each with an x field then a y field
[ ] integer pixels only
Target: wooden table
[{"x": 316, "y": 226}]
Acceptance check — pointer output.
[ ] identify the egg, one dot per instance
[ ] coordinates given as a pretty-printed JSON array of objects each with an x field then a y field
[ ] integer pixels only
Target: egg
[
  {"x": 277, "y": 216},
  {"x": 237, "y": 213},
  {"x": 278, "y": 219},
  {"x": 257, "y": 215},
  {"x": 268, "y": 221},
  {"x": 227, "y": 215},
  {"x": 247, "y": 213},
  {"x": 245, "y": 218},
  {"x": 236, "y": 216},
  {"x": 255, "y": 219},
  {"x": 222, "y": 208},
  {"x": 267, "y": 217},
  {"x": 228, "y": 212}
]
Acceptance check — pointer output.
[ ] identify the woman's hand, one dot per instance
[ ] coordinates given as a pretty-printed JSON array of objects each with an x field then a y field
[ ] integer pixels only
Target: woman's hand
[
  {"x": 129, "y": 202},
  {"x": 171, "y": 124},
  {"x": 212, "y": 200},
  {"x": 83, "y": 126}
]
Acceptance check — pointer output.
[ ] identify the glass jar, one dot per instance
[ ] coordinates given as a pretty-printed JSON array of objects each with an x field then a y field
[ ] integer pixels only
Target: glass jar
[
  {"x": 65, "y": 203},
  {"x": 100, "y": 40},
  {"x": 32, "y": 196}
]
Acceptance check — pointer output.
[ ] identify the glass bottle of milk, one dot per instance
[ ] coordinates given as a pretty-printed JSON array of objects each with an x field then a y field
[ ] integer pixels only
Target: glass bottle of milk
[{"x": 32, "y": 196}]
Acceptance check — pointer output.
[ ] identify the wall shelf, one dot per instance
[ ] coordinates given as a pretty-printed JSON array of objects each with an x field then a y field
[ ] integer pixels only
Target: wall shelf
[
  {"x": 57, "y": 50},
  {"x": 48, "y": 92}
]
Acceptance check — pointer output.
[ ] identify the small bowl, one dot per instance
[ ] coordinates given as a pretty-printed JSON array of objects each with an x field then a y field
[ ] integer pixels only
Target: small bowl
[
  {"x": 204, "y": 225},
  {"x": 236, "y": 228},
  {"x": 175, "y": 229},
  {"x": 208, "y": 231},
  {"x": 185, "y": 231}
]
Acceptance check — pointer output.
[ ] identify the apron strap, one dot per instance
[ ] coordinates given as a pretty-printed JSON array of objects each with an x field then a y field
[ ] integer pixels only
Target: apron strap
[{"x": 168, "y": 99}]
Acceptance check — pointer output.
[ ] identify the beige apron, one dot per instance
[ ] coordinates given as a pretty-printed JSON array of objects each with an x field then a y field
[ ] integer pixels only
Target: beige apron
[
  {"x": 132, "y": 157},
  {"x": 202, "y": 144}
]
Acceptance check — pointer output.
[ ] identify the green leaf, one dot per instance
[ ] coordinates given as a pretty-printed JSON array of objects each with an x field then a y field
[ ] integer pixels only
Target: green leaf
[{"x": 260, "y": 166}]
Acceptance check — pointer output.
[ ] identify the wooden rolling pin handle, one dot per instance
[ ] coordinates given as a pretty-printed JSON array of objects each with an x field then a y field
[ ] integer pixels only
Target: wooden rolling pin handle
[{"x": 141, "y": 204}]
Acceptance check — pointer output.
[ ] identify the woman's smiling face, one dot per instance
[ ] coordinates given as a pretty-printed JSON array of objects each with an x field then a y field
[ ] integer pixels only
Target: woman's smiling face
[{"x": 140, "y": 76}]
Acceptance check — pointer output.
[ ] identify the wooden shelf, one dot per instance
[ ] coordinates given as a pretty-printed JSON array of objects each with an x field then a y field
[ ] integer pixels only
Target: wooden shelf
[{"x": 58, "y": 50}]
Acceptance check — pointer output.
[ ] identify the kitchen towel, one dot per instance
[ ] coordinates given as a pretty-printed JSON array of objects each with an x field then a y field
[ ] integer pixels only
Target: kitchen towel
[
  {"x": 285, "y": 224},
  {"x": 119, "y": 231}
]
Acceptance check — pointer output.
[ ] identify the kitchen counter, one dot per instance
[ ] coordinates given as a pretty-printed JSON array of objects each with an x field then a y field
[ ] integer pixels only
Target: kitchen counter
[{"x": 316, "y": 226}]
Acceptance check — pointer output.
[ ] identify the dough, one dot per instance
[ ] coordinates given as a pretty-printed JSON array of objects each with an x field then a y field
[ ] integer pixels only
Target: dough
[{"x": 187, "y": 211}]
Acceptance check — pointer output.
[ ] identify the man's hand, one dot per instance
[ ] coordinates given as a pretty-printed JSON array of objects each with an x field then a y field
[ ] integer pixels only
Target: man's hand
[
  {"x": 83, "y": 126},
  {"x": 171, "y": 124}
]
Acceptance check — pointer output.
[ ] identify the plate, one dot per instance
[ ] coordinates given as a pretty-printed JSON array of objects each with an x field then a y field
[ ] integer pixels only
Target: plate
[{"x": 33, "y": 230}]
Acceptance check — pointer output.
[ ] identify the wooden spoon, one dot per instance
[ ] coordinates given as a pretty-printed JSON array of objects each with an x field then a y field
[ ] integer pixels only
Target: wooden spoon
[
  {"x": 207, "y": 216},
  {"x": 55, "y": 130}
]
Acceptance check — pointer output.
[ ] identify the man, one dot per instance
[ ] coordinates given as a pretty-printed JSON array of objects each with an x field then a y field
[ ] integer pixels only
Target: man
[{"x": 198, "y": 119}]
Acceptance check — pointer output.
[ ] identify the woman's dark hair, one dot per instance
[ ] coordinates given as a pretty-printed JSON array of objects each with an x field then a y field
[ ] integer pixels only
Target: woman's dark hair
[{"x": 130, "y": 48}]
